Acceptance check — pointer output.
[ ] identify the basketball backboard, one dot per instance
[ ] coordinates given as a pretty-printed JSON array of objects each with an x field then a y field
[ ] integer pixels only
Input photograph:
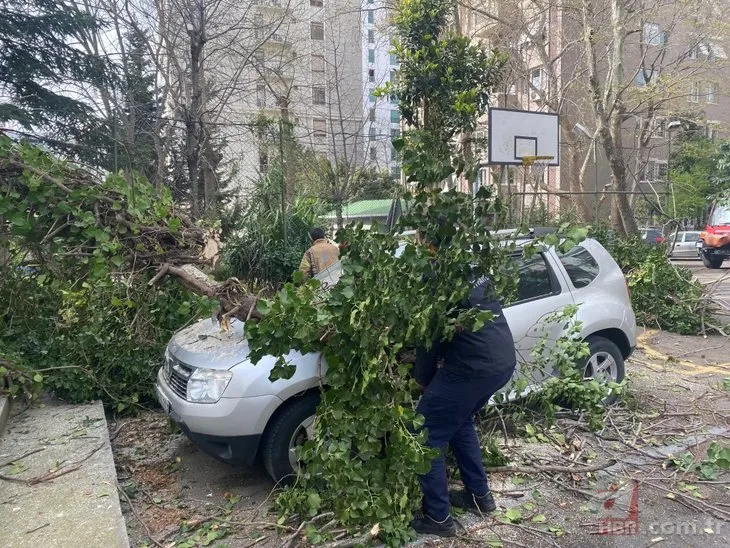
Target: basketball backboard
[{"x": 514, "y": 134}]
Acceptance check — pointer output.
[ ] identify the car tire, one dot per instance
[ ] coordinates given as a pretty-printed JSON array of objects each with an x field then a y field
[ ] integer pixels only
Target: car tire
[
  {"x": 711, "y": 261},
  {"x": 604, "y": 353},
  {"x": 287, "y": 430}
]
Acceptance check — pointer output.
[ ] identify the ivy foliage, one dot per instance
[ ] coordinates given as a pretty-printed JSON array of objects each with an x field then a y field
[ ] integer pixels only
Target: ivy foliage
[{"x": 365, "y": 469}]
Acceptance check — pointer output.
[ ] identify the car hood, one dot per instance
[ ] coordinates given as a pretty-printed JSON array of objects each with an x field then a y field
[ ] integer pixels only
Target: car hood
[{"x": 204, "y": 344}]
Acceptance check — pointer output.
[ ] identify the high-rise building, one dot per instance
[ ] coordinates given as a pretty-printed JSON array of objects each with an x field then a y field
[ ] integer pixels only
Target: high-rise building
[{"x": 380, "y": 65}]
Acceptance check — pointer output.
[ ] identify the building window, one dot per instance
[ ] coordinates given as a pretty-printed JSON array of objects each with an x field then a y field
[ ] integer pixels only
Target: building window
[
  {"x": 394, "y": 76},
  {"x": 319, "y": 128},
  {"x": 395, "y": 172},
  {"x": 371, "y": 75},
  {"x": 371, "y": 36},
  {"x": 394, "y": 59},
  {"x": 371, "y": 56},
  {"x": 536, "y": 78},
  {"x": 261, "y": 95},
  {"x": 658, "y": 127},
  {"x": 373, "y": 154},
  {"x": 395, "y": 116},
  {"x": 319, "y": 96},
  {"x": 317, "y": 63},
  {"x": 712, "y": 91},
  {"x": 371, "y": 96},
  {"x": 372, "y": 134},
  {"x": 371, "y": 1},
  {"x": 644, "y": 77},
  {"x": 317, "y": 30},
  {"x": 371, "y": 16},
  {"x": 263, "y": 162},
  {"x": 316, "y": 3},
  {"x": 371, "y": 115},
  {"x": 653, "y": 36},
  {"x": 694, "y": 94},
  {"x": 655, "y": 171},
  {"x": 394, "y": 134},
  {"x": 393, "y": 99}
]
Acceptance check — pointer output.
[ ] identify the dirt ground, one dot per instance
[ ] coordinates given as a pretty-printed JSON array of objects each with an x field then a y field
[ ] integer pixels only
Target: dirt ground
[{"x": 675, "y": 408}]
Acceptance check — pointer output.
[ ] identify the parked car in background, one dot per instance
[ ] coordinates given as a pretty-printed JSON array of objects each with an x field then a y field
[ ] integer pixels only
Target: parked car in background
[
  {"x": 685, "y": 244},
  {"x": 652, "y": 236},
  {"x": 228, "y": 407}
]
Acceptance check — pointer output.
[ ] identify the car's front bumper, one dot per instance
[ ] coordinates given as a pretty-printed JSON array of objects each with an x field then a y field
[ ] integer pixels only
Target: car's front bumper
[{"x": 229, "y": 430}]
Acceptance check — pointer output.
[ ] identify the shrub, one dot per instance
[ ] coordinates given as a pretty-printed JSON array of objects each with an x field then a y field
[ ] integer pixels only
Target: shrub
[
  {"x": 102, "y": 341},
  {"x": 663, "y": 295}
]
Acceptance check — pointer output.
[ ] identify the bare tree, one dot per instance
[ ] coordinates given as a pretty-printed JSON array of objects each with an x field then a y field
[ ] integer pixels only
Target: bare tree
[{"x": 590, "y": 62}]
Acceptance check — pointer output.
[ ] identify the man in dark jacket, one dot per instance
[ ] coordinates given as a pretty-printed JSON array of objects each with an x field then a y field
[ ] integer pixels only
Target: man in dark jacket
[{"x": 475, "y": 365}]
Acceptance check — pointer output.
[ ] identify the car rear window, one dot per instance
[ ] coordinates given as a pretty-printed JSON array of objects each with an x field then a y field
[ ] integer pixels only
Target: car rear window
[
  {"x": 534, "y": 281},
  {"x": 580, "y": 265}
]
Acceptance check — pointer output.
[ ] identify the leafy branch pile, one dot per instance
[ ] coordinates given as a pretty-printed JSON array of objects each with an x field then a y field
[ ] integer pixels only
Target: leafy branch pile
[
  {"x": 365, "y": 469},
  {"x": 662, "y": 294}
]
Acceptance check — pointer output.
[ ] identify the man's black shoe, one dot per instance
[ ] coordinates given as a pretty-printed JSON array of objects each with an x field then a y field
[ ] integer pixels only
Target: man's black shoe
[
  {"x": 426, "y": 525},
  {"x": 478, "y": 505}
]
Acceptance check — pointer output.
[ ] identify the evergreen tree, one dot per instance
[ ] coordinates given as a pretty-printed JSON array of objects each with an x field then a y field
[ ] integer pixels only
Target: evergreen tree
[{"x": 37, "y": 61}]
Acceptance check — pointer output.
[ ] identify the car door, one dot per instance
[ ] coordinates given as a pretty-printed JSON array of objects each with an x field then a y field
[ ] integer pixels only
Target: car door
[
  {"x": 689, "y": 243},
  {"x": 541, "y": 291}
]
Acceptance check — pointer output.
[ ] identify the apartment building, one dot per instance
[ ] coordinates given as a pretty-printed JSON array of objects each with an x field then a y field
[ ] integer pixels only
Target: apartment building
[
  {"x": 674, "y": 79},
  {"x": 300, "y": 60},
  {"x": 380, "y": 65}
]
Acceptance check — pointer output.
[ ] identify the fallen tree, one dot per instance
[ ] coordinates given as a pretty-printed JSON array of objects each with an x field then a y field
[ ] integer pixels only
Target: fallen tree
[{"x": 59, "y": 218}]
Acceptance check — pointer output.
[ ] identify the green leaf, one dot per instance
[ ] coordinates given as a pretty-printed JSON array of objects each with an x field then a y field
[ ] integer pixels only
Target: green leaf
[
  {"x": 539, "y": 518},
  {"x": 513, "y": 515},
  {"x": 314, "y": 501},
  {"x": 38, "y": 378},
  {"x": 117, "y": 260}
]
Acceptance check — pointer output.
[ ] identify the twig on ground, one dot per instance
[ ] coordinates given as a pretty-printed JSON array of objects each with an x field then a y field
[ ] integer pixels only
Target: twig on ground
[
  {"x": 535, "y": 469},
  {"x": 256, "y": 541},
  {"x": 139, "y": 519},
  {"x": 53, "y": 475},
  {"x": 16, "y": 459},
  {"x": 37, "y": 528},
  {"x": 356, "y": 541}
]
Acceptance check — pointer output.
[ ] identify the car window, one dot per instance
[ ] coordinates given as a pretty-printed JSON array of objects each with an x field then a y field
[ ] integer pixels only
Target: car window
[
  {"x": 580, "y": 265},
  {"x": 534, "y": 279},
  {"x": 691, "y": 236}
]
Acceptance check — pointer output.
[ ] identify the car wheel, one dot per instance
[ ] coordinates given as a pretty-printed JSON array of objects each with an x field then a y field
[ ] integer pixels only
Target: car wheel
[
  {"x": 711, "y": 261},
  {"x": 287, "y": 431},
  {"x": 605, "y": 363}
]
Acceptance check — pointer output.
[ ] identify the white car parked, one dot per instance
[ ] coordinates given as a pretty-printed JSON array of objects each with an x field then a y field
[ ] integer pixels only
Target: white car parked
[
  {"x": 686, "y": 245},
  {"x": 229, "y": 408}
]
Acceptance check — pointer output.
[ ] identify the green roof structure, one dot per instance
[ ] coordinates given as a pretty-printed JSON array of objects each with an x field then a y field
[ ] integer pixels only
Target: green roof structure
[{"x": 363, "y": 209}]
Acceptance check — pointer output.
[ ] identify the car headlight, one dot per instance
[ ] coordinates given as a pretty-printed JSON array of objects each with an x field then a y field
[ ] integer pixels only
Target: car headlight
[{"x": 207, "y": 385}]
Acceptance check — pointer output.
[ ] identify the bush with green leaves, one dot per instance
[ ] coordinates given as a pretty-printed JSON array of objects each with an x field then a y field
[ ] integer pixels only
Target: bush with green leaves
[
  {"x": 663, "y": 295},
  {"x": 94, "y": 341}
]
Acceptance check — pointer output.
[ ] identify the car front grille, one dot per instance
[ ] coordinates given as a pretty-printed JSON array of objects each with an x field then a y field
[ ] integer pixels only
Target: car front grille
[{"x": 177, "y": 375}]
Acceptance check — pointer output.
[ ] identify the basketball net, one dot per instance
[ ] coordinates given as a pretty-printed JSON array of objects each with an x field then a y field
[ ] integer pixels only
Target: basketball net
[{"x": 534, "y": 168}]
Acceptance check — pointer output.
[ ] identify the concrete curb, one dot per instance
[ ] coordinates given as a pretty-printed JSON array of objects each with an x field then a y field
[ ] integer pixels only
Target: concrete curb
[
  {"x": 4, "y": 413},
  {"x": 78, "y": 508}
]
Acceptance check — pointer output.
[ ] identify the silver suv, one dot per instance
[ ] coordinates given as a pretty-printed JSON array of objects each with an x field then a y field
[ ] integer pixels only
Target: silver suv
[{"x": 230, "y": 409}]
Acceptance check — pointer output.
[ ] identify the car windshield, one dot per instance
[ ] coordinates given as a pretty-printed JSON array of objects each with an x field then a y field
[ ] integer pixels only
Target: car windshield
[{"x": 720, "y": 215}]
